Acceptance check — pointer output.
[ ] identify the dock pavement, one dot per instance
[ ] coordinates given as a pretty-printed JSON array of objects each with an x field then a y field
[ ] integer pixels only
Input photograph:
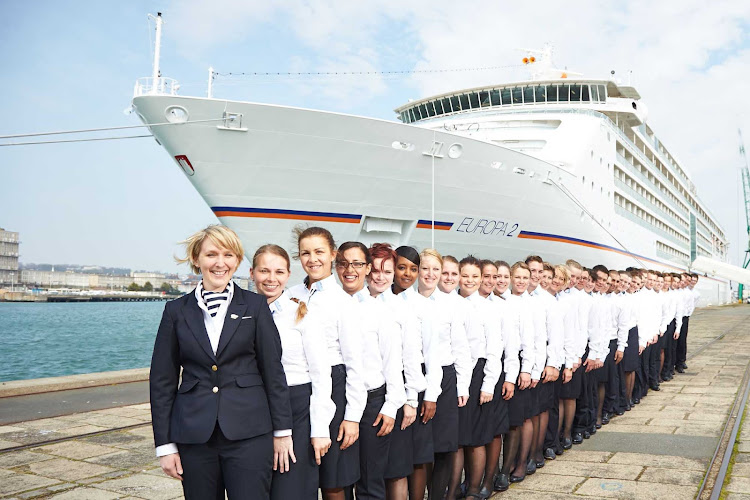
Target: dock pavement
[{"x": 663, "y": 449}]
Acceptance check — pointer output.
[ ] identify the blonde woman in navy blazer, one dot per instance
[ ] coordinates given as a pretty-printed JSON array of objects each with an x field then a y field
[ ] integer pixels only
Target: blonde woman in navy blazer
[{"x": 229, "y": 422}]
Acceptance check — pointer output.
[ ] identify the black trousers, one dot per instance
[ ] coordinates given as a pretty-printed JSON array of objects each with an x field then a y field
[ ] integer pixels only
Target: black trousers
[
  {"x": 612, "y": 384},
  {"x": 669, "y": 349},
  {"x": 244, "y": 466},
  {"x": 552, "y": 433},
  {"x": 373, "y": 450},
  {"x": 653, "y": 362},
  {"x": 681, "y": 355},
  {"x": 640, "y": 387},
  {"x": 585, "y": 417}
]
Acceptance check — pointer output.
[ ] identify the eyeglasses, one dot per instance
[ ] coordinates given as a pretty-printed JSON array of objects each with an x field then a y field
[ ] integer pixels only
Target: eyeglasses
[{"x": 354, "y": 265}]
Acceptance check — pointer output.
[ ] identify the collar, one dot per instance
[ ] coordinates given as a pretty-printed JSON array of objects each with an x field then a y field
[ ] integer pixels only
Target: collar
[
  {"x": 324, "y": 284},
  {"x": 279, "y": 304},
  {"x": 199, "y": 292},
  {"x": 363, "y": 295}
]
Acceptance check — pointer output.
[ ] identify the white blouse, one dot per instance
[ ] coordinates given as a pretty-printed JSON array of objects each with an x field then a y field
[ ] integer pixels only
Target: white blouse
[
  {"x": 336, "y": 311},
  {"x": 305, "y": 360},
  {"x": 485, "y": 338},
  {"x": 510, "y": 323}
]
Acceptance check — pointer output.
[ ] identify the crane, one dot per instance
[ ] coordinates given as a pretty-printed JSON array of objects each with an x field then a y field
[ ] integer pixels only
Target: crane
[{"x": 746, "y": 190}]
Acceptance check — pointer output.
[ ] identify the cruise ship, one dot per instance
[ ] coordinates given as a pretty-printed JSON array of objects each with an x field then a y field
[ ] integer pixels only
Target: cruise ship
[{"x": 559, "y": 165}]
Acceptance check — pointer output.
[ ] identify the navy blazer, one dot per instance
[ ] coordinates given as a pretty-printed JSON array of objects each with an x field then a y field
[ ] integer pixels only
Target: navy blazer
[{"x": 242, "y": 386}]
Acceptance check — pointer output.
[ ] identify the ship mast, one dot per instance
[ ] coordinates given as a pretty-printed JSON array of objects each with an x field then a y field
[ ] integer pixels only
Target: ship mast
[
  {"x": 746, "y": 191},
  {"x": 157, "y": 52}
]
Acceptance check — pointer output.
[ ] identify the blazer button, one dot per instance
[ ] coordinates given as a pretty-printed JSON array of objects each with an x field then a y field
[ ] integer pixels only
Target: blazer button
[
  {"x": 215, "y": 389},
  {"x": 214, "y": 367}
]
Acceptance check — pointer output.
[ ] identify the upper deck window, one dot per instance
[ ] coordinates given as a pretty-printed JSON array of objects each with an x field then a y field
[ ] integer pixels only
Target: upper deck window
[{"x": 520, "y": 95}]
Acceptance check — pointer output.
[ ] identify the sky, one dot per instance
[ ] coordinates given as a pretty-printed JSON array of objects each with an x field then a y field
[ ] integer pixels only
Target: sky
[{"x": 72, "y": 65}]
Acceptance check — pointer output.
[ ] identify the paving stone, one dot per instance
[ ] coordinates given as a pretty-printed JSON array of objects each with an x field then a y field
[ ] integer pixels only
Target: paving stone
[
  {"x": 672, "y": 476},
  {"x": 145, "y": 486},
  {"x": 8, "y": 444},
  {"x": 14, "y": 483},
  {"x": 664, "y": 461},
  {"x": 86, "y": 494},
  {"x": 737, "y": 496},
  {"x": 742, "y": 458},
  {"x": 610, "y": 488},
  {"x": 42, "y": 492},
  {"x": 7, "y": 429},
  {"x": 76, "y": 450},
  {"x": 22, "y": 457},
  {"x": 551, "y": 483},
  {"x": 738, "y": 485},
  {"x": 50, "y": 424},
  {"x": 112, "y": 421},
  {"x": 612, "y": 471},
  {"x": 640, "y": 429},
  {"x": 113, "y": 438},
  {"x": 744, "y": 447},
  {"x": 517, "y": 494},
  {"x": 81, "y": 430},
  {"x": 124, "y": 459},
  {"x": 741, "y": 469},
  {"x": 67, "y": 470},
  {"x": 585, "y": 456}
]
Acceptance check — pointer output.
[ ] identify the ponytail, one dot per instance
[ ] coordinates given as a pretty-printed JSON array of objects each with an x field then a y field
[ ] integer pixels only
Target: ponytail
[{"x": 301, "y": 310}]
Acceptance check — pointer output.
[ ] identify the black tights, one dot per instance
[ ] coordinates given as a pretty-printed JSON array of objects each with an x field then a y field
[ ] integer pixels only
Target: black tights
[
  {"x": 510, "y": 450},
  {"x": 441, "y": 474}
]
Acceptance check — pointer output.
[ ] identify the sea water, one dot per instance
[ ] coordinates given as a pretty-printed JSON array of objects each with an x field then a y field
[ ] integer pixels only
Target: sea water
[{"x": 44, "y": 339}]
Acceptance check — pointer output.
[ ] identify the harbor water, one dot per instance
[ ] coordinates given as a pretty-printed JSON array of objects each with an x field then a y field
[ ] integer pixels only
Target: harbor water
[{"x": 55, "y": 339}]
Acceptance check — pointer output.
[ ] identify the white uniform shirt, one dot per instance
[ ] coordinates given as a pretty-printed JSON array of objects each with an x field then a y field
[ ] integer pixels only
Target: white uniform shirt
[
  {"x": 431, "y": 355},
  {"x": 555, "y": 328},
  {"x": 585, "y": 300},
  {"x": 617, "y": 324},
  {"x": 448, "y": 314},
  {"x": 696, "y": 298},
  {"x": 538, "y": 311},
  {"x": 599, "y": 326},
  {"x": 305, "y": 360},
  {"x": 573, "y": 336},
  {"x": 381, "y": 343},
  {"x": 410, "y": 329},
  {"x": 511, "y": 329},
  {"x": 336, "y": 310},
  {"x": 648, "y": 303},
  {"x": 485, "y": 339},
  {"x": 526, "y": 328}
]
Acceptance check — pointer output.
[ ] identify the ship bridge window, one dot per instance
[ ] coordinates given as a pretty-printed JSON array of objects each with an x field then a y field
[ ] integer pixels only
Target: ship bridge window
[
  {"x": 528, "y": 95},
  {"x": 584, "y": 92},
  {"x": 595, "y": 92},
  {"x": 474, "y": 100},
  {"x": 517, "y": 95},
  {"x": 455, "y": 104},
  {"x": 602, "y": 93},
  {"x": 575, "y": 92},
  {"x": 540, "y": 93},
  {"x": 447, "y": 105},
  {"x": 439, "y": 108},
  {"x": 430, "y": 109},
  {"x": 505, "y": 93},
  {"x": 551, "y": 93},
  {"x": 412, "y": 115},
  {"x": 484, "y": 98},
  {"x": 464, "y": 101},
  {"x": 495, "y": 97},
  {"x": 563, "y": 93}
]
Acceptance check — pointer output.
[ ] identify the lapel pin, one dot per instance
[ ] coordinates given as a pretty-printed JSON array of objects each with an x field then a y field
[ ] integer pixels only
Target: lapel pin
[{"x": 234, "y": 316}]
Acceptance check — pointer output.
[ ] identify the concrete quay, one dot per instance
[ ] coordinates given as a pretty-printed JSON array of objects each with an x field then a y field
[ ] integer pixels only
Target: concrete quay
[{"x": 661, "y": 449}]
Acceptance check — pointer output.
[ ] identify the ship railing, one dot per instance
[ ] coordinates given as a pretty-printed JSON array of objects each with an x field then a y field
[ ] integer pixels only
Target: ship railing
[{"x": 159, "y": 86}]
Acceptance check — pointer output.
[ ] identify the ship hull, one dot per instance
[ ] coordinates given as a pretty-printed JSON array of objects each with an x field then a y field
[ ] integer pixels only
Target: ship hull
[{"x": 273, "y": 168}]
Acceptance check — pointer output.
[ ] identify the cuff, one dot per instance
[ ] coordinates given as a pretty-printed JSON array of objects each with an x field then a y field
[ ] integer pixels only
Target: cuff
[
  {"x": 569, "y": 362},
  {"x": 411, "y": 394},
  {"x": 488, "y": 388},
  {"x": 282, "y": 433},
  {"x": 388, "y": 410},
  {"x": 463, "y": 391},
  {"x": 353, "y": 415},
  {"x": 166, "y": 449},
  {"x": 536, "y": 374},
  {"x": 526, "y": 366},
  {"x": 432, "y": 396},
  {"x": 509, "y": 377},
  {"x": 319, "y": 430}
]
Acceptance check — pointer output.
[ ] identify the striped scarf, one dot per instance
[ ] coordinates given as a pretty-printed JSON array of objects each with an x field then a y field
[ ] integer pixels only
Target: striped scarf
[{"x": 214, "y": 300}]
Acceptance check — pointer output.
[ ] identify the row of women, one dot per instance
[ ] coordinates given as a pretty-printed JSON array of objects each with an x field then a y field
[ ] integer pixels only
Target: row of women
[{"x": 412, "y": 373}]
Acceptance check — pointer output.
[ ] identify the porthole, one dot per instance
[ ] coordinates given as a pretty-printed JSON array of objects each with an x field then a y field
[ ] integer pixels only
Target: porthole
[{"x": 176, "y": 114}]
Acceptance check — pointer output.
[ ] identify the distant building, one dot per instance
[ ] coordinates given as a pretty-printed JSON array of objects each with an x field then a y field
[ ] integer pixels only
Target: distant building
[{"x": 8, "y": 258}]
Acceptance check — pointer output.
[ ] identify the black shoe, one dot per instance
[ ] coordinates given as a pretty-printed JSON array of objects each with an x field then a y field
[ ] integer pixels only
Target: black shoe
[
  {"x": 592, "y": 431},
  {"x": 680, "y": 369},
  {"x": 655, "y": 387},
  {"x": 586, "y": 434},
  {"x": 559, "y": 450},
  {"x": 549, "y": 454},
  {"x": 484, "y": 493},
  {"x": 567, "y": 443},
  {"x": 462, "y": 490},
  {"x": 598, "y": 426},
  {"x": 530, "y": 467},
  {"x": 605, "y": 419},
  {"x": 667, "y": 378},
  {"x": 636, "y": 401},
  {"x": 501, "y": 482},
  {"x": 684, "y": 366},
  {"x": 517, "y": 479},
  {"x": 539, "y": 463},
  {"x": 576, "y": 439},
  {"x": 629, "y": 406},
  {"x": 619, "y": 412}
]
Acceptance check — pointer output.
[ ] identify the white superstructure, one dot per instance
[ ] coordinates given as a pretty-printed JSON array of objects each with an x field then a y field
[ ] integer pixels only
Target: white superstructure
[{"x": 558, "y": 166}]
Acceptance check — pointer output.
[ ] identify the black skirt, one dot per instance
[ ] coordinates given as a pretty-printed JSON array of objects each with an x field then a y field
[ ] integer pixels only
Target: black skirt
[
  {"x": 401, "y": 453},
  {"x": 630, "y": 360},
  {"x": 474, "y": 420},
  {"x": 445, "y": 423},
  {"x": 500, "y": 409},
  {"x": 572, "y": 390},
  {"x": 301, "y": 480},
  {"x": 520, "y": 405},
  {"x": 423, "y": 447},
  {"x": 339, "y": 469}
]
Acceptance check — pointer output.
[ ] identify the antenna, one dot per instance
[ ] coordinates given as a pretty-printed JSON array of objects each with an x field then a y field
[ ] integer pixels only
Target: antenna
[{"x": 157, "y": 52}]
